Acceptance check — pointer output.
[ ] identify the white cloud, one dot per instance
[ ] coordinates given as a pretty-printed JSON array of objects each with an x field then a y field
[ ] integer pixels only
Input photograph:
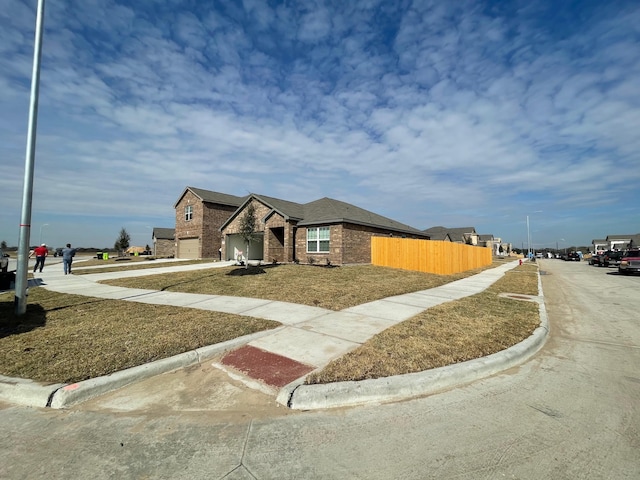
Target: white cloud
[{"x": 430, "y": 114}]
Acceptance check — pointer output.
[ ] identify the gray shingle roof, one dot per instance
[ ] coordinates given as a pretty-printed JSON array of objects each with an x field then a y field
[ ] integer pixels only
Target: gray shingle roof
[
  {"x": 439, "y": 236},
  {"x": 287, "y": 209},
  {"x": 219, "y": 198},
  {"x": 455, "y": 234},
  {"x": 213, "y": 197},
  {"x": 327, "y": 210},
  {"x": 164, "y": 233},
  {"x": 319, "y": 212}
]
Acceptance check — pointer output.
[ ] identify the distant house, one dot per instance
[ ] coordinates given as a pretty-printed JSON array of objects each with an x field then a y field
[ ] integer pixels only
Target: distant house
[
  {"x": 164, "y": 242},
  {"x": 457, "y": 235},
  {"x": 622, "y": 242},
  {"x": 322, "y": 231},
  {"x": 599, "y": 245}
]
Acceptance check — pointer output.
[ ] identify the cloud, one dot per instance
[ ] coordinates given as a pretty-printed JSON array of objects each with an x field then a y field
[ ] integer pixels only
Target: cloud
[{"x": 426, "y": 112}]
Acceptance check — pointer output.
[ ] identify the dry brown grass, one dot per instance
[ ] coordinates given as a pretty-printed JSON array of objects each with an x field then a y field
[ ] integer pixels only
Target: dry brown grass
[
  {"x": 450, "y": 333},
  {"x": 331, "y": 288},
  {"x": 68, "y": 338}
]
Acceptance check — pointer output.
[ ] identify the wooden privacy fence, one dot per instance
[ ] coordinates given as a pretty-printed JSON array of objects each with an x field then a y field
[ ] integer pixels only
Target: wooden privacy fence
[{"x": 430, "y": 256}]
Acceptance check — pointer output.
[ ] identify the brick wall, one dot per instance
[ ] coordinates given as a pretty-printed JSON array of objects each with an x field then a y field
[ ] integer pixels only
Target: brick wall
[
  {"x": 348, "y": 243},
  {"x": 214, "y": 216},
  {"x": 261, "y": 211},
  {"x": 193, "y": 227},
  {"x": 164, "y": 248},
  {"x": 205, "y": 224},
  {"x": 335, "y": 255}
]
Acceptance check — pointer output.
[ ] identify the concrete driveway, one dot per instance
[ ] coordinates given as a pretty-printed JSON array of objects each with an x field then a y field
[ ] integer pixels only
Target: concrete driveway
[{"x": 573, "y": 411}]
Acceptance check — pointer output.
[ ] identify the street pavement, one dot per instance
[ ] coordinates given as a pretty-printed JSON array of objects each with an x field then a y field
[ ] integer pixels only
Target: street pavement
[{"x": 276, "y": 362}]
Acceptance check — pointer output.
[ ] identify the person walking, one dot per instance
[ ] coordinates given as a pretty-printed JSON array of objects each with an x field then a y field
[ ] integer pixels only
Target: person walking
[
  {"x": 67, "y": 258},
  {"x": 41, "y": 253}
]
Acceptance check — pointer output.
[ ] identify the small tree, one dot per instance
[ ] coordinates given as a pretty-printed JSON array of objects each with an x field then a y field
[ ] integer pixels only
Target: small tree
[
  {"x": 3, "y": 245},
  {"x": 122, "y": 243},
  {"x": 248, "y": 229}
]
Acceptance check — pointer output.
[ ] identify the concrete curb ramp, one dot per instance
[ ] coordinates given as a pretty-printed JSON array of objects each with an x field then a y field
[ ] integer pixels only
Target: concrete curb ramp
[{"x": 401, "y": 387}]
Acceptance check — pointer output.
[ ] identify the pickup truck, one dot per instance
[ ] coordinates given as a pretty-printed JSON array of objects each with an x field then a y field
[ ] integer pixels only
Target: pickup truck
[
  {"x": 630, "y": 262},
  {"x": 611, "y": 257}
]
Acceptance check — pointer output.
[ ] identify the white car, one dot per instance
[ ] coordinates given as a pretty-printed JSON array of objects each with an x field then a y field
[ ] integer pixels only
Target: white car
[{"x": 4, "y": 261}]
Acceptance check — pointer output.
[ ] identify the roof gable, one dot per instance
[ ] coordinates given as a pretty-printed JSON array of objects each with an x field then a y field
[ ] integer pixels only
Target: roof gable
[
  {"x": 208, "y": 196},
  {"x": 164, "y": 233}
]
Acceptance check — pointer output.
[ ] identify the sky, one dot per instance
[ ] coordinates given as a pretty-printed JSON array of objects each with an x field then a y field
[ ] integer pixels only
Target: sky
[{"x": 432, "y": 113}]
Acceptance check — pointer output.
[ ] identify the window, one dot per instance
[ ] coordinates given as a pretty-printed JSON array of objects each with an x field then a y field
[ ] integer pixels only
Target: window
[
  {"x": 188, "y": 213},
  {"x": 318, "y": 240}
]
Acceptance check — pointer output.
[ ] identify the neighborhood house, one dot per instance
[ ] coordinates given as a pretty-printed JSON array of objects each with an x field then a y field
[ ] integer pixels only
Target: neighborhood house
[{"x": 325, "y": 231}]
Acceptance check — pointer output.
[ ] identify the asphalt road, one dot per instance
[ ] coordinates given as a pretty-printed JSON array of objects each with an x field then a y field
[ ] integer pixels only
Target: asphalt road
[{"x": 573, "y": 411}]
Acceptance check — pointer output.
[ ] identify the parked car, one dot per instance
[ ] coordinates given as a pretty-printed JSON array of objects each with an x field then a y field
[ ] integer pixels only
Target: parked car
[
  {"x": 572, "y": 256},
  {"x": 596, "y": 260},
  {"x": 629, "y": 262},
  {"x": 611, "y": 257},
  {"x": 58, "y": 252},
  {"x": 4, "y": 261}
]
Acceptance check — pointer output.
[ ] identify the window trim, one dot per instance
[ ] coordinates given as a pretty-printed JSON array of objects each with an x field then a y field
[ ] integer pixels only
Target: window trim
[
  {"x": 319, "y": 239},
  {"x": 188, "y": 213}
]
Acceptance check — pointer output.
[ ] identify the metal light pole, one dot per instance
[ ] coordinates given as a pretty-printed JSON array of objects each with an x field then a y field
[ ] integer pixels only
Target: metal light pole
[
  {"x": 20, "y": 301},
  {"x": 43, "y": 225}
]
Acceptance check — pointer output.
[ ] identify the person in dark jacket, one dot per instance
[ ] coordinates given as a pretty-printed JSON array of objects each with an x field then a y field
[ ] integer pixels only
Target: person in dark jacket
[{"x": 67, "y": 257}]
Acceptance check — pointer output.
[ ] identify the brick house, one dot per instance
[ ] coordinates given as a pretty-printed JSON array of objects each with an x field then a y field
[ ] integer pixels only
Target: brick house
[
  {"x": 164, "y": 242},
  {"x": 325, "y": 230},
  {"x": 199, "y": 215}
]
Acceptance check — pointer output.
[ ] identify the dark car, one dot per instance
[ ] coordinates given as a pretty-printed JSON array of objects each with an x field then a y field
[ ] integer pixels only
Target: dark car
[
  {"x": 629, "y": 262},
  {"x": 58, "y": 252},
  {"x": 572, "y": 256},
  {"x": 611, "y": 257}
]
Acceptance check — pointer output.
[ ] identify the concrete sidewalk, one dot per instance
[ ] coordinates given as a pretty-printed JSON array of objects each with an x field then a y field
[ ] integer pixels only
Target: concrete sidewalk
[{"x": 277, "y": 361}]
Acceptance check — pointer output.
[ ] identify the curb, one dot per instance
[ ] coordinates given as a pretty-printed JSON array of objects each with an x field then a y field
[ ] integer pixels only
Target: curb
[
  {"x": 401, "y": 387},
  {"x": 60, "y": 395},
  {"x": 25, "y": 392}
]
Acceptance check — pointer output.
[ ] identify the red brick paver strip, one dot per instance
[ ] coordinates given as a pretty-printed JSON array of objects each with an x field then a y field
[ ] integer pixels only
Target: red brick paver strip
[{"x": 270, "y": 368}]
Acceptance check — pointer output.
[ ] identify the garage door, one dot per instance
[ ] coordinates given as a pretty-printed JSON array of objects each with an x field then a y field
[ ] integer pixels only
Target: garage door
[
  {"x": 235, "y": 242},
  {"x": 189, "y": 248}
]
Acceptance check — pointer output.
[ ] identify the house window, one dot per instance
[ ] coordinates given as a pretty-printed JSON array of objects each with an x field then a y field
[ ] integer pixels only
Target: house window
[
  {"x": 318, "y": 240},
  {"x": 188, "y": 213}
]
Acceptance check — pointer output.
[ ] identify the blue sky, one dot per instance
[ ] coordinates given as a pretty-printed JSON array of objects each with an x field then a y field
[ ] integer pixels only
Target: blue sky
[{"x": 453, "y": 113}]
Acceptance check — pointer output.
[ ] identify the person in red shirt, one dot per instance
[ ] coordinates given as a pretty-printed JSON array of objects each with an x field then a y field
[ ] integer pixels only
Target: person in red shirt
[{"x": 41, "y": 253}]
